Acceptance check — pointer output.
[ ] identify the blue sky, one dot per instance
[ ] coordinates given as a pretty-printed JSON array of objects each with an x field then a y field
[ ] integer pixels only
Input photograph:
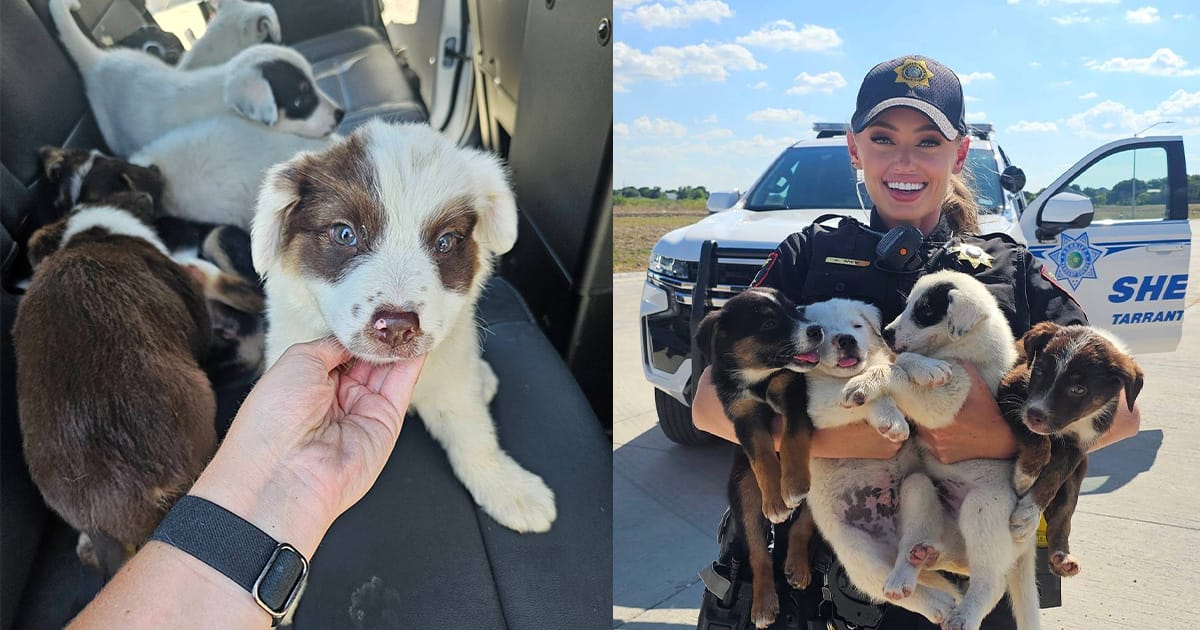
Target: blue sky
[{"x": 707, "y": 92}]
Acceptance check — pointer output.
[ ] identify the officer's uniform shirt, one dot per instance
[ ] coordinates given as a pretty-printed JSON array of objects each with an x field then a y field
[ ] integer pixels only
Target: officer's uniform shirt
[{"x": 819, "y": 263}]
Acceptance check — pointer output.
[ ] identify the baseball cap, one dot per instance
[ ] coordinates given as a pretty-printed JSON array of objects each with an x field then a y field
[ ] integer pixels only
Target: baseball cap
[{"x": 917, "y": 82}]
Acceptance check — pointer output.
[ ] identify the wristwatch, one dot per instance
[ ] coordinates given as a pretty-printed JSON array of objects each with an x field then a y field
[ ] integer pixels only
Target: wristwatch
[{"x": 274, "y": 573}]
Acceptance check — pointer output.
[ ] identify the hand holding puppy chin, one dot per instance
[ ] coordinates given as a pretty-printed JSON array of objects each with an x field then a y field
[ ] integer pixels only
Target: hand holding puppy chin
[{"x": 309, "y": 441}]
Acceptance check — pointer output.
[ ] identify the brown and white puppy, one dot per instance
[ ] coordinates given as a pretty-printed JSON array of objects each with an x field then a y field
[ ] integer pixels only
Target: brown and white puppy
[
  {"x": 115, "y": 410},
  {"x": 1059, "y": 399},
  {"x": 385, "y": 241},
  {"x": 759, "y": 344}
]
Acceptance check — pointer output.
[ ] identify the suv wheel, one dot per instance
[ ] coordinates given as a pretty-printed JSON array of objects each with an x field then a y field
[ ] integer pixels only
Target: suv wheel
[{"x": 675, "y": 418}]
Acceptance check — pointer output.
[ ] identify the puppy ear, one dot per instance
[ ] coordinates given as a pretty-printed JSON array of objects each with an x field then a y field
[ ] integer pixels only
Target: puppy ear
[
  {"x": 1131, "y": 375},
  {"x": 45, "y": 241},
  {"x": 266, "y": 27},
  {"x": 250, "y": 95},
  {"x": 52, "y": 161},
  {"x": 1034, "y": 341},
  {"x": 706, "y": 335},
  {"x": 497, "y": 227},
  {"x": 874, "y": 318},
  {"x": 963, "y": 313},
  {"x": 279, "y": 194}
]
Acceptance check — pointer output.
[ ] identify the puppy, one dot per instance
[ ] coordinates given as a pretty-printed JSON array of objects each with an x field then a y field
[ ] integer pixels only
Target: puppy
[
  {"x": 219, "y": 182},
  {"x": 115, "y": 411},
  {"x": 137, "y": 97},
  {"x": 385, "y": 240},
  {"x": 237, "y": 25},
  {"x": 89, "y": 176},
  {"x": 952, "y": 317},
  {"x": 1059, "y": 399},
  {"x": 759, "y": 343}
]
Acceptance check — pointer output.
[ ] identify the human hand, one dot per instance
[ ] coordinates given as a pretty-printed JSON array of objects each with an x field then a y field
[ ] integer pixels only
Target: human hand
[
  {"x": 310, "y": 440},
  {"x": 857, "y": 440},
  {"x": 979, "y": 431}
]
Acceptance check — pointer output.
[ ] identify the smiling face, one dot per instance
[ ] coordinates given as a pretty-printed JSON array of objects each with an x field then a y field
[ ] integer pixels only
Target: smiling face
[
  {"x": 907, "y": 164},
  {"x": 851, "y": 335}
]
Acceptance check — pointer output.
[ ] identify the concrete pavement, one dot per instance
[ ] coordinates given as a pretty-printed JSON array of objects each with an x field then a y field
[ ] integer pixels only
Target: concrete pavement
[{"x": 1136, "y": 529}]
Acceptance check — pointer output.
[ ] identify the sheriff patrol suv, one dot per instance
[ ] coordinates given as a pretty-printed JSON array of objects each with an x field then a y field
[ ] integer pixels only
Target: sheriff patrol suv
[{"x": 1112, "y": 230}]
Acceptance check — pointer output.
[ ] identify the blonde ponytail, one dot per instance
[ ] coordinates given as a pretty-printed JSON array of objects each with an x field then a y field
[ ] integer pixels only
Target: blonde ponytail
[{"x": 960, "y": 206}]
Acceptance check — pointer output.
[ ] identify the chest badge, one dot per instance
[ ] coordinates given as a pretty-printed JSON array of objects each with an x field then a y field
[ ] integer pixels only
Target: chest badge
[{"x": 973, "y": 255}]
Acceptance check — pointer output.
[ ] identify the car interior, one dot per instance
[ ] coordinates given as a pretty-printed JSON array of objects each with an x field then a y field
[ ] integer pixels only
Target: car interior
[{"x": 529, "y": 80}]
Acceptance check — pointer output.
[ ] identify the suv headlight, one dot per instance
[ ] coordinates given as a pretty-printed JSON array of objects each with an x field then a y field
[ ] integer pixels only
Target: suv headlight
[{"x": 667, "y": 266}]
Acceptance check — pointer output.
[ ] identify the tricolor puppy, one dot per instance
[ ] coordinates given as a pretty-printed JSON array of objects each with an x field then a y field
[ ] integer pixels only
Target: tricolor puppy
[
  {"x": 115, "y": 410},
  {"x": 89, "y": 176},
  {"x": 237, "y": 25},
  {"x": 385, "y": 240},
  {"x": 759, "y": 344},
  {"x": 1059, "y": 399},
  {"x": 137, "y": 97},
  {"x": 951, "y": 317}
]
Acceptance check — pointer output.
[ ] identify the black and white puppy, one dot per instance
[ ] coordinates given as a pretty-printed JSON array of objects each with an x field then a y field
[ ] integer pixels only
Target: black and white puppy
[
  {"x": 1059, "y": 399},
  {"x": 137, "y": 97},
  {"x": 237, "y": 25},
  {"x": 385, "y": 240}
]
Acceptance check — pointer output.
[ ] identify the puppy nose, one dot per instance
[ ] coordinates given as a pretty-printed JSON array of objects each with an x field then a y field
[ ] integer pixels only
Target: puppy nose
[
  {"x": 814, "y": 332},
  {"x": 338, "y": 115},
  {"x": 395, "y": 327},
  {"x": 1035, "y": 416},
  {"x": 845, "y": 342}
]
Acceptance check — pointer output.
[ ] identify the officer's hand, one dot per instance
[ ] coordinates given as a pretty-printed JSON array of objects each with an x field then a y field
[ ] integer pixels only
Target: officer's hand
[
  {"x": 858, "y": 440},
  {"x": 978, "y": 431}
]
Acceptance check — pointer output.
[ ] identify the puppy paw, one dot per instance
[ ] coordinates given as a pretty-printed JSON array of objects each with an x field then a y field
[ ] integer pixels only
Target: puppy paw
[
  {"x": 776, "y": 510},
  {"x": 894, "y": 429},
  {"x": 923, "y": 556},
  {"x": 1064, "y": 564},
  {"x": 515, "y": 497},
  {"x": 900, "y": 583},
  {"x": 1024, "y": 520},
  {"x": 862, "y": 389},
  {"x": 797, "y": 570},
  {"x": 765, "y": 609},
  {"x": 925, "y": 371},
  {"x": 957, "y": 620},
  {"x": 86, "y": 551},
  {"x": 794, "y": 491},
  {"x": 939, "y": 604}
]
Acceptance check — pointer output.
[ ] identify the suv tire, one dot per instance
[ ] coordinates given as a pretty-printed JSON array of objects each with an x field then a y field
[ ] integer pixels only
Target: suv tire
[{"x": 675, "y": 418}]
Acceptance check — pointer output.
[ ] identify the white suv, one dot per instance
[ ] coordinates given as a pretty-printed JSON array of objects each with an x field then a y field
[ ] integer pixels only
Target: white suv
[{"x": 1119, "y": 241}]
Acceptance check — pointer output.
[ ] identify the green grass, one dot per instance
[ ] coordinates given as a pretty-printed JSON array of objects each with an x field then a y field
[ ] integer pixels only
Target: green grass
[{"x": 639, "y": 223}]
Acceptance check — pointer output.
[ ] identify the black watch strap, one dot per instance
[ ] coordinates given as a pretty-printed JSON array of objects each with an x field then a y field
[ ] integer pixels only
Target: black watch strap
[{"x": 273, "y": 572}]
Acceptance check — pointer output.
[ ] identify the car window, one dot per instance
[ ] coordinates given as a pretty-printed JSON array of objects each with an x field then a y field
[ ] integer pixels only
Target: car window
[
  {"x": 984, "y": 177},
  {"x": 1125, "y": 186},
  {"x": 806, "y": 178}
]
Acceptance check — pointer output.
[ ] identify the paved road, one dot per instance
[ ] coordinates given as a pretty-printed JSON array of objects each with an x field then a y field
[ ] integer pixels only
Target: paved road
[{"x": 1136, "y": 530}]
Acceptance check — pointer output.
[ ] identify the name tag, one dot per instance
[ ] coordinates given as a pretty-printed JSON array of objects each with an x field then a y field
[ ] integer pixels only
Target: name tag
[{"x": 848, "y": 261}]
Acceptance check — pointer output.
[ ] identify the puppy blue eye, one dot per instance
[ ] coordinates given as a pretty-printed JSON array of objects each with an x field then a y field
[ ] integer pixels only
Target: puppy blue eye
[
  {"x": 446, "y": 242},
  {"x": 343, "y": 234}
]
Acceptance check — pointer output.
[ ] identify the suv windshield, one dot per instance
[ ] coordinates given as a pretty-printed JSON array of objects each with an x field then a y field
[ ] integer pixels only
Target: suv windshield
[{"x": 809, "y": 178}]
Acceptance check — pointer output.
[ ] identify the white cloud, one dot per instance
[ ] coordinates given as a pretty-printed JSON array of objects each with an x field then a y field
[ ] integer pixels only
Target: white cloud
[
  {"x": 967, "y": 78},
  {"x": 976, "y": 116},
  {"x": 1110, "y": 119},
  {"x": 1033, "y": 127},
  {"x": 710, "y": 119},
  {"x": 781, "y": 116},
  {"x": 825, "y": 82},
  {"x": 1087, "y": 97},
  {"x": 1144, "y": 15},
  {"x": 1080, "y": 17},
  {"x": 1035, "y": 64},
  {"x": 710, "y": 62},
  {"x": 1163, "y": 63},
  {"x": 620, "y": 129},
  {"x": 967, "y": 98},
  {"x": 782, "y": 35},
  {"x": 761, "y": 85},
  {"x": 643, "y": 125},
  {"x": 679, "y": 14},
  {"x": 626, "y": 4}
]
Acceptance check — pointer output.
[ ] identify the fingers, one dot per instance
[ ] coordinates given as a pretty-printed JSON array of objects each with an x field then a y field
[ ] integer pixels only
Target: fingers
[
  {"x": 328, "y": 350},
  {"x": 397, "y": 383}
]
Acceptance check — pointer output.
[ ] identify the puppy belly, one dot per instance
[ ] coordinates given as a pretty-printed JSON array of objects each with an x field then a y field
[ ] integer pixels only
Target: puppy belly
[{"x": 860, "y": 494}]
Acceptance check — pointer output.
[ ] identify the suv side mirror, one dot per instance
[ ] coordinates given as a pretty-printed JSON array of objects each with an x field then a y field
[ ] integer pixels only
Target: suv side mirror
[
  {"x": 1063, "y": 211},
  {"x": 1012, "y": 179},
  {"x": 719, "y": 201}
]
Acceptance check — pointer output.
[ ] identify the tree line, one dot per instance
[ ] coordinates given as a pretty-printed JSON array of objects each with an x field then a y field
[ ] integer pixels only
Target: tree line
[
  {"x": 656, "y": 192},
  {"x": 1131, "y": 191}
]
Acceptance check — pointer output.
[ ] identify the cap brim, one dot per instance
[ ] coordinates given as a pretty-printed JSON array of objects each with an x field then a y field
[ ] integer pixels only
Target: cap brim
[{"x": 939, "y": 119}]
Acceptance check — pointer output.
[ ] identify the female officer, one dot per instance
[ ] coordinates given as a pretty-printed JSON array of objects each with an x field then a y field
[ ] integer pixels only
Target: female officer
[{"x": 910, "y": 140}]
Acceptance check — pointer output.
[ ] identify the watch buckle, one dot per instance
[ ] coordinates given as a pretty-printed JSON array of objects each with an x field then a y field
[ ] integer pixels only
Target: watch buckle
[{"x": 278, "y": 615}]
